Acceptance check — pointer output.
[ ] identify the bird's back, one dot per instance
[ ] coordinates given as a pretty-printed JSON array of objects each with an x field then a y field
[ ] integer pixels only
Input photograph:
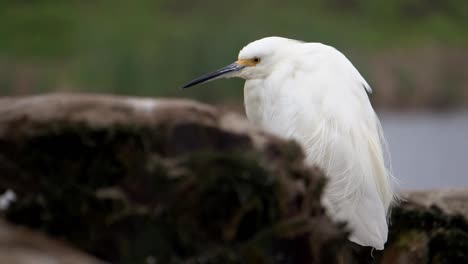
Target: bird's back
[{"x": 318, "y": 98}]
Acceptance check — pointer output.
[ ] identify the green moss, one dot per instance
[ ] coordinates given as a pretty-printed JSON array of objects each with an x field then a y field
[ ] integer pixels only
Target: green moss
[
  {"x": 447, "y": 235},
  {"x": 449, "y": 246},
  {"x": 181, "y": 193},
  {"x": 406, "y": 239}
]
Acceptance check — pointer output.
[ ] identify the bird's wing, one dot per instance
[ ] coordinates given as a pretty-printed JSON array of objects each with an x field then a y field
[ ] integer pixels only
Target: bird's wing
[{"x": 341, "y": 133}]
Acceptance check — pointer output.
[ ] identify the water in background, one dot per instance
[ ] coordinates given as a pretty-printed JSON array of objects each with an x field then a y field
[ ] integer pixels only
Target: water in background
[{"x": 428, "y": 150}]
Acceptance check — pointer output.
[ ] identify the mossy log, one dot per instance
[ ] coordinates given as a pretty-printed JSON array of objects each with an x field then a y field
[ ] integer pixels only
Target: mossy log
[
  {"x": 161, "y": 181},
  {"x": 131, "y": 180}
]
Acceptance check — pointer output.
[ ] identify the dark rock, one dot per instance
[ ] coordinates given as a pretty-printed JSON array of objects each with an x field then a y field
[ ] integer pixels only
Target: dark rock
[{"x": 162, "y": 181}]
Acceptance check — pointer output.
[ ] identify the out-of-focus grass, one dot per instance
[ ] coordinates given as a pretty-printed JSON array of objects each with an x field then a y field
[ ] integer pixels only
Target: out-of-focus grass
[{"x": 150, "y": 48}]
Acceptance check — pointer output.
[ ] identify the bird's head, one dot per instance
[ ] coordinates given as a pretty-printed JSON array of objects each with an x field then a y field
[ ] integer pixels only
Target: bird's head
[{"x": 256, "y": 60}]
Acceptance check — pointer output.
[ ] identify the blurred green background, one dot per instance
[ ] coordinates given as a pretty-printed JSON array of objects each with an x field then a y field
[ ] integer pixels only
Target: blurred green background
[{"x": 413, "y": 52}]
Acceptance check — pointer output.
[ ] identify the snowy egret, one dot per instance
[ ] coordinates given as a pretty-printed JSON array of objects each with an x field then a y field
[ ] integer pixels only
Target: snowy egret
[{"x": 312, "y": 93}]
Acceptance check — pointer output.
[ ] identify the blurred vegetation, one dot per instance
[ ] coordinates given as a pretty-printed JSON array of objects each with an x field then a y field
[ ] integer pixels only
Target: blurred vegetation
[{"x": 150, "y": 48}]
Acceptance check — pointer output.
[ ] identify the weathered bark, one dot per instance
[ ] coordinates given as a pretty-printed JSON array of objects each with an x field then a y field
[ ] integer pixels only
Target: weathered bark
[{"x": 133, "y": 180}]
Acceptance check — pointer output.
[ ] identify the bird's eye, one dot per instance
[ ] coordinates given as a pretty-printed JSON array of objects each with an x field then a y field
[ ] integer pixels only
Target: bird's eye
[{"x": 256, "y": 60}]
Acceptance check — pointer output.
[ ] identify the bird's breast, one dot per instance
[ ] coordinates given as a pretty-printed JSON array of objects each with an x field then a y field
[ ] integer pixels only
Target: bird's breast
[
  {"x": 273, "y": 110},
  {"x": 254, "y": 101}
]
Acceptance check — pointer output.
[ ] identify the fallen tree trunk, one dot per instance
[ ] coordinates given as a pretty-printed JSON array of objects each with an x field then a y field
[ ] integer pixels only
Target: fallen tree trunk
[
  {"x": 163, "y": 181},
  {"x": 170, "y": 181}
]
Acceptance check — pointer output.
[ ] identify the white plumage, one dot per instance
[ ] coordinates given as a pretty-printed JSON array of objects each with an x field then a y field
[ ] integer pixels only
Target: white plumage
[{"x": 312, "y": 93}]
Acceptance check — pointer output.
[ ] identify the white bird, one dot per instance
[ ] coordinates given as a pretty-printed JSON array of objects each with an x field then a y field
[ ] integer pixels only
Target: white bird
[{"x": 312, "y": 93}]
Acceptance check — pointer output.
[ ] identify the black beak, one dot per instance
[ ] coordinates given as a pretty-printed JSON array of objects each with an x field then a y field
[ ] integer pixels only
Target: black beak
[{"x": 224, "y": 72}]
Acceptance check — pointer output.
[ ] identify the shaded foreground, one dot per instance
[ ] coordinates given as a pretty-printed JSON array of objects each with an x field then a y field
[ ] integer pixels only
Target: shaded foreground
[{"x": 162, "y": 181}]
